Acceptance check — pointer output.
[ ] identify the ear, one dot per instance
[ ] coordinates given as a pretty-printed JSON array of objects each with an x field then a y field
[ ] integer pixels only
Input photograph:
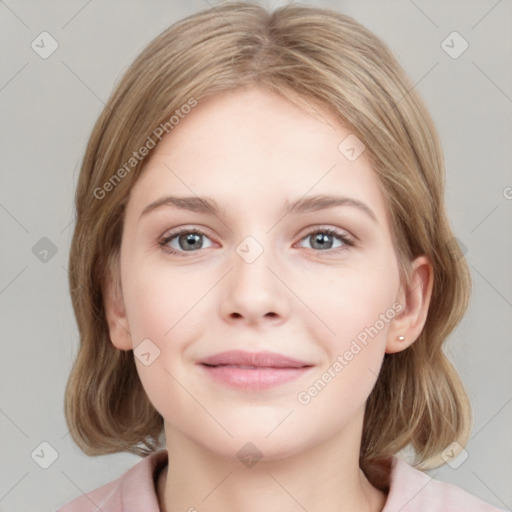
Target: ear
[
  {"x": 415, "y": 301},
  {"x": 115, "y": 311}
]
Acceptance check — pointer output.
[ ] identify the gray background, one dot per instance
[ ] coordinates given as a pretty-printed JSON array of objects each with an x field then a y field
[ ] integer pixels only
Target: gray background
[{"x": 48, "y": 107}]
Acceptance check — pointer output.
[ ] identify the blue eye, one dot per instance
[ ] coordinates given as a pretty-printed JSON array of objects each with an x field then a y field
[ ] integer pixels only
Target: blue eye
[
  {"x": 322, "y": 237},
  {"x": 188, "y": 240},
  {"x": 191, "y": 240}
]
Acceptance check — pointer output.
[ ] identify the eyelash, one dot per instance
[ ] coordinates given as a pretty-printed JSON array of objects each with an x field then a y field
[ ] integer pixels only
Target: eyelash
[{"x": 330, "y": 231}]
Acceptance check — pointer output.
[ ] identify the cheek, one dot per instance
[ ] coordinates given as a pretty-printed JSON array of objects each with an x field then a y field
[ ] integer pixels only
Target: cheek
[
  {"x": 162, "y": 306},
  {"x": 355, "y": 300},
  {"x": 161, "y": 301},
  {"x": 358, "y": 309},
  {"x": 353, "y": 360},
  {"x": 166, "y": 315}
]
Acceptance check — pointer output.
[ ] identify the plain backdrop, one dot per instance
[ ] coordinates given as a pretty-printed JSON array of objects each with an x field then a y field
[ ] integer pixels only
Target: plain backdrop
[{"x": 48, "y": 108}]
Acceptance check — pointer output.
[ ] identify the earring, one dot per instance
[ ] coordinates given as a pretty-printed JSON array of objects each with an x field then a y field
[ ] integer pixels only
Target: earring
[{"x": 401, "y": 338}]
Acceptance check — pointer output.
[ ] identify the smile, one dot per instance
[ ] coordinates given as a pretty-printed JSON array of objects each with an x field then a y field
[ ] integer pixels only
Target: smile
[{"x": 253, "y": 371}]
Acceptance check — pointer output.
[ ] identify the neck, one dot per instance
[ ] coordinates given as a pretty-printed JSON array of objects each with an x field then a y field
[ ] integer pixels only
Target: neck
[{"x": 323, "y": 478}]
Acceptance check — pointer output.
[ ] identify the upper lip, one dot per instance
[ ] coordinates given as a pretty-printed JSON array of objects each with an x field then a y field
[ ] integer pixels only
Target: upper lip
[{"x": 258, "y": 359}]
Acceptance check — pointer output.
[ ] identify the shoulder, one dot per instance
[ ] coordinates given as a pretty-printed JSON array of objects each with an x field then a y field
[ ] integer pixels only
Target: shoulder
[
  {"x": 413, "y": 490},
  {"x": 131, "y": 492}
]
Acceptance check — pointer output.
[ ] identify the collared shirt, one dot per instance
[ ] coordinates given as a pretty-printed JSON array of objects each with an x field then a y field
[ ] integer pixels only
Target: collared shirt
[{"x": 410, "y": 490}]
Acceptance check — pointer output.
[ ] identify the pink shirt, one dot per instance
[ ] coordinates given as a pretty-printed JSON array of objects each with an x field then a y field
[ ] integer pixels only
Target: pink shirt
[{"x": 410, "y": 490}]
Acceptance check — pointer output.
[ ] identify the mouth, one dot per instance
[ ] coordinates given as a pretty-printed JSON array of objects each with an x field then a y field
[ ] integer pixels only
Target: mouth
[
  {"x": 251, "y": 360},
  {"x": 253, "y": 370}
]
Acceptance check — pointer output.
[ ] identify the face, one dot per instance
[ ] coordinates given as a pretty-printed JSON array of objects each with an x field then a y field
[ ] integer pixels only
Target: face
[{"x": 317, "y": 284}]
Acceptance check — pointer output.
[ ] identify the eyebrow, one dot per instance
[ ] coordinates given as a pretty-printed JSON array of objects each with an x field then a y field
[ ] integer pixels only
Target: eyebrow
[{"x": 303, "y": 205}]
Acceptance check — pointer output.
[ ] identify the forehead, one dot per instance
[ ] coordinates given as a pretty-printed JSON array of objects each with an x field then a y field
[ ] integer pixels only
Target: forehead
[{"x": 253, "y": 148}]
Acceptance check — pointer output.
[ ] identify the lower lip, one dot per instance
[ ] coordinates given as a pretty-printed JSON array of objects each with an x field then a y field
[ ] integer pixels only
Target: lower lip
[{"x": 253, "y": 379}]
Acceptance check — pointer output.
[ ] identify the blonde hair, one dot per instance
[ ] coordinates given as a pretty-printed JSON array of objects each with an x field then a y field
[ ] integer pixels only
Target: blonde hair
[{"x": 317, "y": 56}]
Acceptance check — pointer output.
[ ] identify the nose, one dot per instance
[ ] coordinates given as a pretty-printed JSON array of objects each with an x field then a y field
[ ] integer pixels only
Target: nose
[{"x": 253, "y": 292}]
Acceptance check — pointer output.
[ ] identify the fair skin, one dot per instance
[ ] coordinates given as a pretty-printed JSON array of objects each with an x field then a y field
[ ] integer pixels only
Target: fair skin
[{"x": 251, "y": 151}]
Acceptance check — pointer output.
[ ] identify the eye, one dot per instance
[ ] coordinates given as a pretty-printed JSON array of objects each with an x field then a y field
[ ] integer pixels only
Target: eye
[
  {"x": 322, "y": 240},
  {"x": 187, "y": 240},
  {"x": 191, "y": 240}
]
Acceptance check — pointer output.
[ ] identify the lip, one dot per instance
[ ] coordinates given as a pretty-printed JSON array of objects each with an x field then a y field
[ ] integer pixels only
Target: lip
[{"x": 253, "y": 370}]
